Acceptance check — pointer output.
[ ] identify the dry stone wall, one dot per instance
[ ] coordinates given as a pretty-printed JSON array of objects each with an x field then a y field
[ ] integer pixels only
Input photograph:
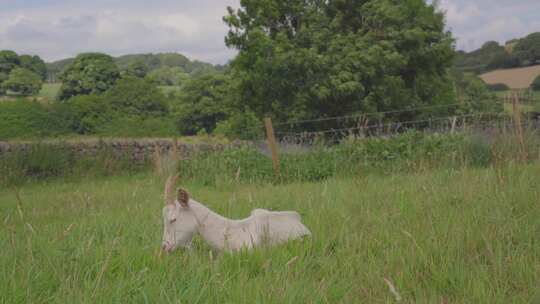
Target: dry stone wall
[{"x": 139, "y": 151}]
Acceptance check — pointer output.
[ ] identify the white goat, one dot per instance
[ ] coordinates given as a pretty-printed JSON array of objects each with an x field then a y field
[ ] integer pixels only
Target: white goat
[{"x": 183, "y": 217}]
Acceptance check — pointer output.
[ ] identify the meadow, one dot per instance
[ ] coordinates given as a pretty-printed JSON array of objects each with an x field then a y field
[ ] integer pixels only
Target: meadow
[{"x": 448, "y": 235}]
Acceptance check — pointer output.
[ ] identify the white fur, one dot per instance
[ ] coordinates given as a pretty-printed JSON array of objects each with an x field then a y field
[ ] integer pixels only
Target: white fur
[{"x": 261, "y": 227}]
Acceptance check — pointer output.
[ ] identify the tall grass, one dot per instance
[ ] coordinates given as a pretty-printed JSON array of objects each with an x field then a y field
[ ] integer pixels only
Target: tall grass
[
  {"x": 41, "y": 161},
  {"x": 443, "y": 236},
  {"x": 408, "y": 152}
]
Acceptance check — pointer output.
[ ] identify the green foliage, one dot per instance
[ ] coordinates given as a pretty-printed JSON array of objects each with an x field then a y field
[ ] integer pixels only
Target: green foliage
[
  {"x": 475, "y": 96},
  {"x": 86, "y": 114},
  {"x": 528, "y": 49},
  {"x": 3, "y": 77},
  {"x": 24, "y": 119},
  {"x": 492, "y": 56},
  {"x": 400, "y": 153},
  {"x": 498, "y": 87},
  {"x": 40, "y": 161},
  {"x": 157, "y": 61},
  {"x": 34, "y": 64},
  {"x": 241, "y": 125},
  {"x": 536, "y": 84},
  {"x": 136, "y": 69},
  {"x": 136, "y": 96},
  {"x": 202, "y": 103},
  {"x": 90, "y": 73},
  {"x": 168, "y": 76},
  {"x": 8, "y": 61},
  {"x": 137, "y": 126},
  {"x": 23, "y": 82},
  {"x": 306, "y": 59}
]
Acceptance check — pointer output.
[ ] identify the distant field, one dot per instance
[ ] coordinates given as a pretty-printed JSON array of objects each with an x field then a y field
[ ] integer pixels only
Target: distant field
[
  {"x": 519, "y": 78},
  {"x": 49, "y": 90}
]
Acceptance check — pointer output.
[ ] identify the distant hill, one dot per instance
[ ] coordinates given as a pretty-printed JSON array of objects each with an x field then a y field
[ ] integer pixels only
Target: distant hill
[
  {"x": 153, "y": 61},
  {"x": 491, "y": 56}
]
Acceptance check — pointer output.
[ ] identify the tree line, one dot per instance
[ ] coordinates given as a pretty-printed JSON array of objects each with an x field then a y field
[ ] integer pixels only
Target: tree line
[
  {"x": 22, "y": 74},
  {"x": 297, "y": 60},
  {"x": 491, "y": 56}
]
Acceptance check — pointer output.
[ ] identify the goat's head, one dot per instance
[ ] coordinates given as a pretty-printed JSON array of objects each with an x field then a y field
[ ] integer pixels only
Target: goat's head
[{"x": 179, "y": 222}]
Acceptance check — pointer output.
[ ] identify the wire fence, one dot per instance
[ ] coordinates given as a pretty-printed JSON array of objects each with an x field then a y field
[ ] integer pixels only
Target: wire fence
[{"x": 310, "y": 131}]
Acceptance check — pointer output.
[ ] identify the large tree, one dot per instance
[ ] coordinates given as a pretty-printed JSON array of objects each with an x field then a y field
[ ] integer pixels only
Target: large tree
[
  {"x": 527, "y": 50},
  {"x": 314, "y": 58},
  {"x": 23, "y": 81},
  {"x": 90, "y": 73},
  {"x": 202, "y": 103},
  {"x": 34, "y": 64},
  {"x": 8, "y": 61}
]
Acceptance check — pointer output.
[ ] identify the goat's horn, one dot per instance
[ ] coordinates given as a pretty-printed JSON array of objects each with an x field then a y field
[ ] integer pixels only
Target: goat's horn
[{"x": 169, "y": 189}]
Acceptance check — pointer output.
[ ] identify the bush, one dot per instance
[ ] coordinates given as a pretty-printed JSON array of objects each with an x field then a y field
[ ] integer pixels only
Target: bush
[
  {"x": 245, "y": 126},
  {"x": 85, "y": 114},
  {"x": 135, "y": 126},
  {"x": 536, "y": 84},
  {"x": 24, "y": 119},
  {"x": 135, "y": 96},
  {"x": 498, "y": 87},
  {"x": 23, "y": 82},
  {"x": 408, "y": 151},
  {"x": 53, "y": 160},
  {"x": 90, "y": 73}
]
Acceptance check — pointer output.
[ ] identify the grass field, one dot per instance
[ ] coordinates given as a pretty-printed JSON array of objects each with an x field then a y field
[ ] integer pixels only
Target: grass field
[
  {"x": 49, "y": 91},
  {"x": 447, "y": 236}
]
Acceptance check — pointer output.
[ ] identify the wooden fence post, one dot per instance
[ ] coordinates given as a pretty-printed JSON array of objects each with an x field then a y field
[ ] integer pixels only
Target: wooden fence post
[
  {"x": 518, "y": 125},
  {"x": 272, "y": 144}
]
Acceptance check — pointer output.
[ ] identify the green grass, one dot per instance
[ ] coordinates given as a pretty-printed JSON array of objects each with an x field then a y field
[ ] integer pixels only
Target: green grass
[
  {"x": 446, "y": 236},
  {"x": 49, "y": 91}
]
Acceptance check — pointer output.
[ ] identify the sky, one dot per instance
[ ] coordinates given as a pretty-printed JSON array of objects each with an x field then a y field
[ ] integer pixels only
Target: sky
[{"x": 57, "y": 29}]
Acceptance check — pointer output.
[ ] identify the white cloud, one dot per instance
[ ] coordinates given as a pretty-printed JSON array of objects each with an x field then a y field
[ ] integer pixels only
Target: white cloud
[
  {"x": 57, "y": 32},
  {"x": 56, "y": 29},
  {"x": 474, "y": 23}
]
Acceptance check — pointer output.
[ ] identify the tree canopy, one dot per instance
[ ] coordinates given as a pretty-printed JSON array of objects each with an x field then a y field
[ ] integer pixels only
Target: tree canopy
[
  {"x": 305, "y": 59},
  {"x": 23, "y": 82},
  {"x": 90, "y": 73}
]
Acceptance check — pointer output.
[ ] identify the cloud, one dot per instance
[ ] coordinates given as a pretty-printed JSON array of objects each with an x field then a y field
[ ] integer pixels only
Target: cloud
[
  {"x": 56, "y": 29},
  {"x": 63, "y": 29},
  {"x": 474, "y": 23}
]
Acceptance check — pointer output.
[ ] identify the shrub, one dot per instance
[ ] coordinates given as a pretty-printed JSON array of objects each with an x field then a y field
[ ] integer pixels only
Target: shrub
[
  {"x": 135, "y": 96},
  {"x": 244, "y": 125},
  {"x": 536, "y": 84},
  {"x": 48, "y": 160},
  {"x": 90, "y": 73},
  {"x": 22, "y": 118},
  {"x": 85, "y": 114},
  {"x": 23, "y": 82},
  {"x": 498, "y": 87}
]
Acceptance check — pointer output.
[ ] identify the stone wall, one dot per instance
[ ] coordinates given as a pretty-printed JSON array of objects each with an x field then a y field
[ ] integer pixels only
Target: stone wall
[{"x": 138, "y": 150}]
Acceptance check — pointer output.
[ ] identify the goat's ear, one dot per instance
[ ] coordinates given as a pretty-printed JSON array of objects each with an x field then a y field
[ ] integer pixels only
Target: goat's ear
[{"x": 183, "y": 197}]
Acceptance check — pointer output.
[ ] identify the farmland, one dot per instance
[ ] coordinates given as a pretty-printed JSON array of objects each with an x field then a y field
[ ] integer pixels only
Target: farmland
[
  {"x": 452, "y": 236},
  {"x": 422, "y": 218},
  {"x": 518, "y": 78}
]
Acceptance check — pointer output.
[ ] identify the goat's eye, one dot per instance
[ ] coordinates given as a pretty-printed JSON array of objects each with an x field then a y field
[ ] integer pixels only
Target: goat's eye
[{"x": 173, "y": 220}]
